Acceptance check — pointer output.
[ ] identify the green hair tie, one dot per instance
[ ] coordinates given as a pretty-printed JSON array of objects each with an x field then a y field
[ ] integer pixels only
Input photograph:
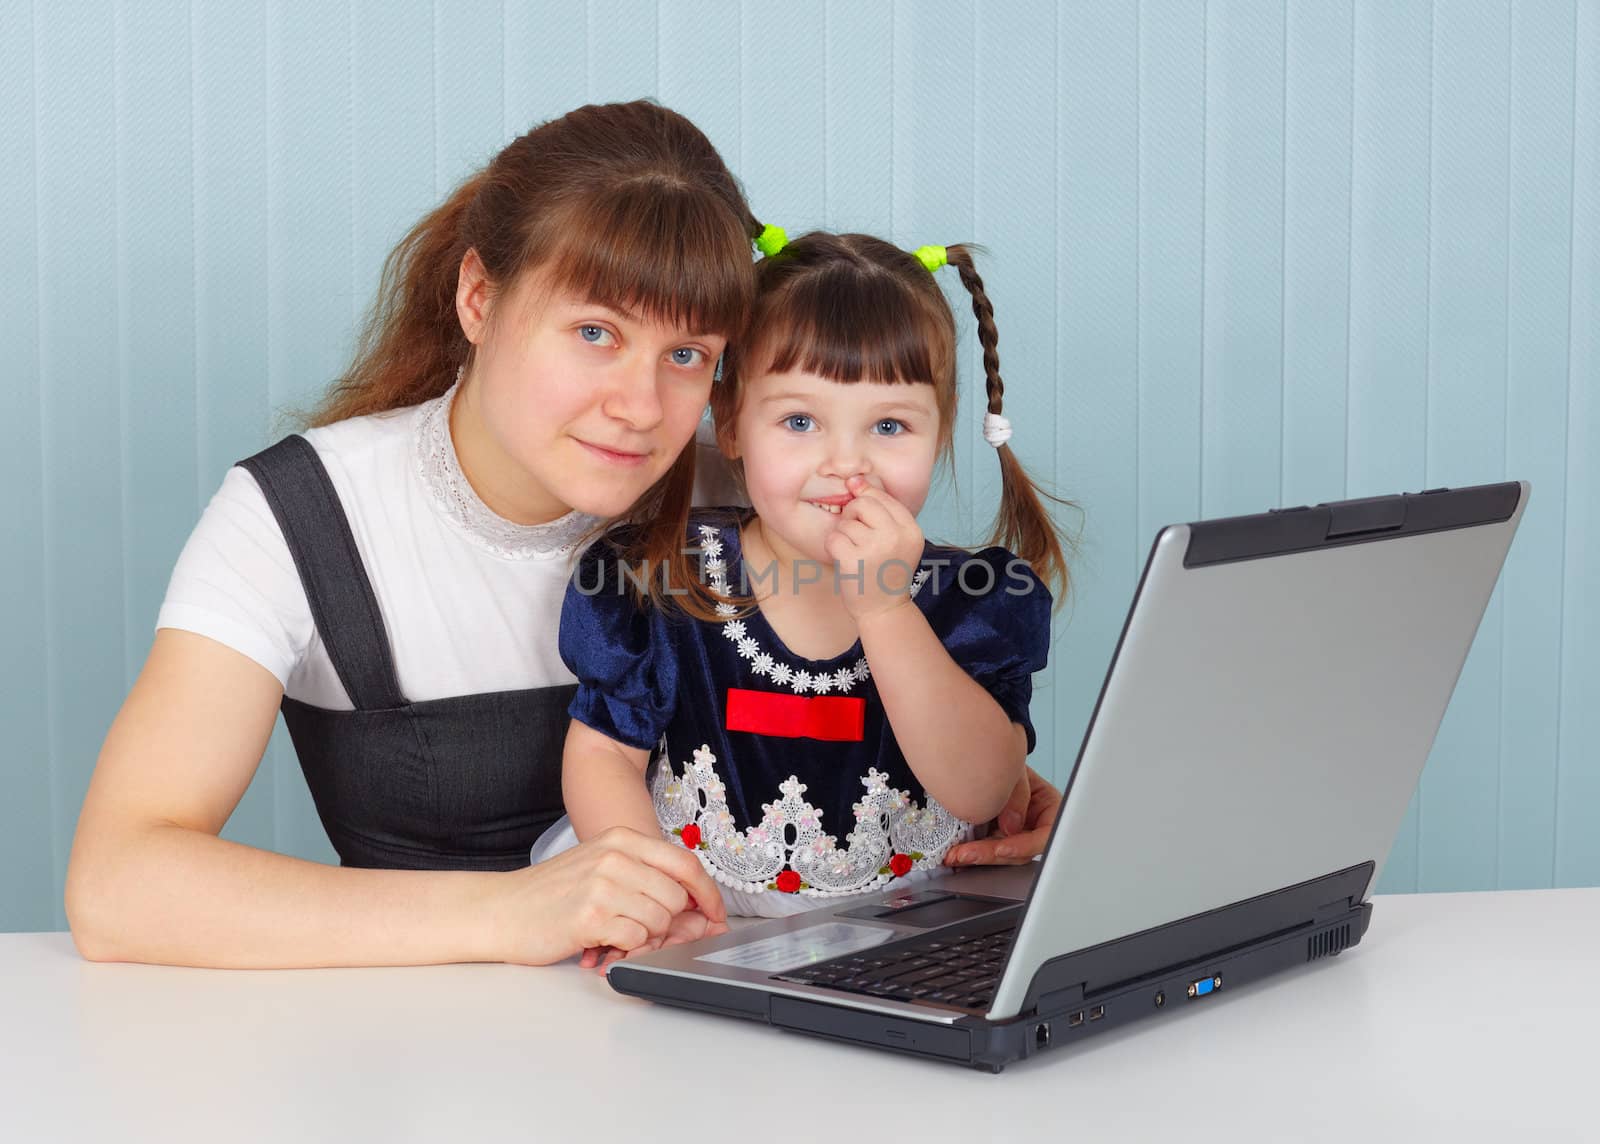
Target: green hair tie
[
  {"x": 932, "y": 257},
  {"x": 771, "y": 240}
]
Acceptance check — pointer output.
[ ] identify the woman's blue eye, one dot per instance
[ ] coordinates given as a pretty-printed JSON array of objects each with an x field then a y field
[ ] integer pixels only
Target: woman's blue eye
[
  {"x": 686, "y": 356},
  {"x": 798, "y": 422},
  {"x": 594, "y": 335}
]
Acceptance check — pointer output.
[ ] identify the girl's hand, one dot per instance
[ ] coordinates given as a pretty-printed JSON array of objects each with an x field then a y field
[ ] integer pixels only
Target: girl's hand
[
  {"x": 619, "y": 890},
  {"x": 878, "y": 537},
  {"x": 691, "y": 925}
]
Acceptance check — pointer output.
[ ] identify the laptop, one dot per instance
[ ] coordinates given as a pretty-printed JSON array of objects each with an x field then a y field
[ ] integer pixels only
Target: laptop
[{"x": 1264, "y": 721}]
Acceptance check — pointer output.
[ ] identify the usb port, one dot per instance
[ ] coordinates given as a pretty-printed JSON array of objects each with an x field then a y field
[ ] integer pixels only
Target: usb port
[
  {"x": 1097, "y": 1012},
  {"x": 1075, "y": 1020}
]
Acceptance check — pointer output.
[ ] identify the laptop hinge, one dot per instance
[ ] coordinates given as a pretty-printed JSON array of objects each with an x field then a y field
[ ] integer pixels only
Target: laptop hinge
[
  {"x": 1063, "y": 980},
  {"x": 1335, "y": 910},
  {"x": 1059, "y": 999}
]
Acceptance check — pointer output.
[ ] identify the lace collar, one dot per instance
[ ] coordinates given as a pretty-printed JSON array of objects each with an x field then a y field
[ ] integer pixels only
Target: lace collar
[{"x": 454, "y": 497}]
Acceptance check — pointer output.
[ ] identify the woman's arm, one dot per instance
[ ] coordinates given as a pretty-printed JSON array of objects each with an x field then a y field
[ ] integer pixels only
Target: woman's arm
[
  {"x": 602, "y": 784},
  {"x": 149, "y": 880},
  {"x": 958, "y": 741}
]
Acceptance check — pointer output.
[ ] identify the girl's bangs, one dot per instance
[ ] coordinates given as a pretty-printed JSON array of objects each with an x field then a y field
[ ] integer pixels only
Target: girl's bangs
[
  {"x": 662, "y": 251},
  {"x": 849, "y": 327}
]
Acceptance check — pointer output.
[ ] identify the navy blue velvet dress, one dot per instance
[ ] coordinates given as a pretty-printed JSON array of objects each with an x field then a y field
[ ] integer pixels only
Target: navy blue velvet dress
[{"x": 782, "y": 772}]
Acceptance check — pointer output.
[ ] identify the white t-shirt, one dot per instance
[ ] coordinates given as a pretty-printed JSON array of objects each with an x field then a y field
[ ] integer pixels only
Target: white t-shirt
[{"x": 471, "y": 602}]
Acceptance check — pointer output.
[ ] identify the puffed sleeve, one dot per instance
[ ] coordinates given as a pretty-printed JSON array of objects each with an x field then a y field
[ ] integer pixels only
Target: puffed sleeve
[
  {"x": 622, "y": 655},
  {"x": 993, "y": 616}
]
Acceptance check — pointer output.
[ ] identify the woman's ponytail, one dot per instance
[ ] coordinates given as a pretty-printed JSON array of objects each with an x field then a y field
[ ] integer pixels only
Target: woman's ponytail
[{"x": 411, "y": 344}]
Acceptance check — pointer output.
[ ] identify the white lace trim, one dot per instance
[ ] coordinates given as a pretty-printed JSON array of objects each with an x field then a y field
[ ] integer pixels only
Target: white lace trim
[
  {"x": 764, "y": 663},
  {"x": 455, "y": 498},
  {"x": 790, "y": 837}
]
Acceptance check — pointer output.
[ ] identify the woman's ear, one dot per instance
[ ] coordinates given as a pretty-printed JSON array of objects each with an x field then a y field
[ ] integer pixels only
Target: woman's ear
[{"x": 472, "y": 296}]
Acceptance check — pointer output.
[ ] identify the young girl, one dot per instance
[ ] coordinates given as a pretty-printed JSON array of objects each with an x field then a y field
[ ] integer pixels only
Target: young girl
[{"x": 836, "y": 700}]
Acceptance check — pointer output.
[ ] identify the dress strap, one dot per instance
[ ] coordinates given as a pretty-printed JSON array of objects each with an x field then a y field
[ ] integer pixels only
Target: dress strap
[{"x": 343, "y": 605}]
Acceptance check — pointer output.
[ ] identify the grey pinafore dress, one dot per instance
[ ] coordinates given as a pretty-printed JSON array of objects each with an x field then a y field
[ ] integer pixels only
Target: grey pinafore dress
[{"x": 464, "y": 783}]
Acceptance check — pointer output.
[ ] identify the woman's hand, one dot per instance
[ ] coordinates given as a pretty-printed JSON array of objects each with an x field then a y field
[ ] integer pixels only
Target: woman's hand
[
  {"x": 619, "y": 890},
  {"x": 1025, "y": 826}
]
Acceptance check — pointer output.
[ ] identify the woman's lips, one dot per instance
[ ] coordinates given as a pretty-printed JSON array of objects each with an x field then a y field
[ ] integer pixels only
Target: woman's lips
[{"x": 614, "y": 456}]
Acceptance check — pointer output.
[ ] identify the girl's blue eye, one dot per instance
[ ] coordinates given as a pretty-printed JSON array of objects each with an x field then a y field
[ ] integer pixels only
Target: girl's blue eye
[
  {"x": 594, "y": 335},
  {"x": 889, "y": 427},
  {"x": 798, "y": 423},
  {"x": 686, "y": 356}
]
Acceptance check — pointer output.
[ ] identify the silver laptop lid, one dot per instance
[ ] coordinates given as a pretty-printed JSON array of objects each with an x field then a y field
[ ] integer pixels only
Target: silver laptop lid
[{"x": 1268, "y": 713}]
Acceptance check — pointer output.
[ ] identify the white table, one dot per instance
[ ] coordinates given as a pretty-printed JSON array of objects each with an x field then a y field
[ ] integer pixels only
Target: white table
[{"x": 1461, "y": 1016}]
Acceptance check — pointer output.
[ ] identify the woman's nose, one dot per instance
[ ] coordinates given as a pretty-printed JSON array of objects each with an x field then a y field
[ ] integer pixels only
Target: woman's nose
[{"x": 634, "y": 397}]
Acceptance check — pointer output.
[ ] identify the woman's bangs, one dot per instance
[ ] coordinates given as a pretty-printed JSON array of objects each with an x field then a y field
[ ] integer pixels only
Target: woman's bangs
[
  {"x": 663, "y": 252},
  {"x": 849, "y": 328}
]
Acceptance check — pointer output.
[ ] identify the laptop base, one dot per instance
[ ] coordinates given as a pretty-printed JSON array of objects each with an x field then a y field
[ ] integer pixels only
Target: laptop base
[{"x": 1299, "y": 924}]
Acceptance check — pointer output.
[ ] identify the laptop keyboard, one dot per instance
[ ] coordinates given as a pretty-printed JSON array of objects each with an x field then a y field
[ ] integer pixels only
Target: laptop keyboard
[{"x": 941, "y": 968}]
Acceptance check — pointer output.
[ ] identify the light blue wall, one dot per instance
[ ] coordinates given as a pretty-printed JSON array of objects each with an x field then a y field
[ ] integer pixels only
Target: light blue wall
[{"x": 1243, "y": 253}]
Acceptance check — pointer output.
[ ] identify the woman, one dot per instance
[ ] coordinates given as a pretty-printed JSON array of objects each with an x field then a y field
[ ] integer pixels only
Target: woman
[{"x": 542, "y": 349}]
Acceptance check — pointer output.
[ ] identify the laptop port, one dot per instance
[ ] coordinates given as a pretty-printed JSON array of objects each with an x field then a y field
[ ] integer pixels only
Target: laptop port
[
  {"x": 1097, "y": 1012},
  {"x": 1075, "y": 1020},
  {"x": 1041, "y": 1035},
  {"x": 1204, "y": 986}
]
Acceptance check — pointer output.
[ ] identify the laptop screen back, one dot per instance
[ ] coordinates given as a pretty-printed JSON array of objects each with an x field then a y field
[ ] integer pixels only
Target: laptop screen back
[{"x": 1264, "y": 723}]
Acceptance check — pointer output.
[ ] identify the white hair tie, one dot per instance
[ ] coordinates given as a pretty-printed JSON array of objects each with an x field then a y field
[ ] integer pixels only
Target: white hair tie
[{"x": 996, "y": 429}]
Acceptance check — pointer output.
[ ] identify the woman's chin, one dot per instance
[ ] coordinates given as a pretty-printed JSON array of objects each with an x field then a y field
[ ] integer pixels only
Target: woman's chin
[{"x": 604, "y": 501}]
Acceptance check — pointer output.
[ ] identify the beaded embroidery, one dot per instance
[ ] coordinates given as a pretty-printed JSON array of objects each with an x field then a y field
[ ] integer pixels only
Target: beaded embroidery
[
  {"x": 799, "y": 681},
  {"x": 892, "y": 835}
]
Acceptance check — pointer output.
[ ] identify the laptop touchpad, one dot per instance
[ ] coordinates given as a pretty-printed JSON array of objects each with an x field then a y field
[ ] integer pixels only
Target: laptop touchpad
[{"x": 928, "y": 908}]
